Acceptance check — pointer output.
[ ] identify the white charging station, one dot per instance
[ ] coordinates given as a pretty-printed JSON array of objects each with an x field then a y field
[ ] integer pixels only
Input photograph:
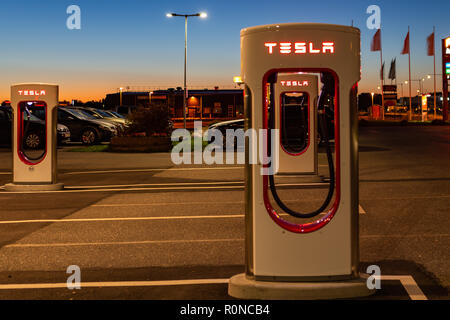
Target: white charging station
[
  {"x": 318, "y": 258},
  {"x": 34, "y": 168},
  {"x": 296, "y": 118}
]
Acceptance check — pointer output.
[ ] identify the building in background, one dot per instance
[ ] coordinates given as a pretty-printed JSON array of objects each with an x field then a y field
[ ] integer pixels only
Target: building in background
[{"x": 208, "y": 105}]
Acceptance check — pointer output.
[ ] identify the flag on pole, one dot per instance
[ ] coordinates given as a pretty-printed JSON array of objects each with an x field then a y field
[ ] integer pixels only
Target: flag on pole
[
  {"x": 376, "y": 41},
  {"x": 392, "y": 73},
  {"x": 430, "y": 44},
  {"x": 406, "y": 45},
  {"x": 382, "y": 72}
]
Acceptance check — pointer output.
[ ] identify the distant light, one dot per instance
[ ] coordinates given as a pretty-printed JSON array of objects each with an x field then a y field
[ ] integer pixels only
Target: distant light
[
  {"x": 429, "y": 77},
  {"x": 203, "y": 15},
  {"x": 237, "y": 79},
  {"x": 169, "y": 15}
]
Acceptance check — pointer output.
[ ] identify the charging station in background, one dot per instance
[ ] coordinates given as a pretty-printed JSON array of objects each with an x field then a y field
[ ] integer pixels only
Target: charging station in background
[
  {"x": 295, "y": 99},
  {"x": 34, "y": 140},
  {"x": 292, "y": 254}
]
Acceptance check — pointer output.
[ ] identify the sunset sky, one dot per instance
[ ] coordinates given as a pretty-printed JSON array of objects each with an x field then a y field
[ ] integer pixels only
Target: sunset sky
[{"x": 133, "y": 43}]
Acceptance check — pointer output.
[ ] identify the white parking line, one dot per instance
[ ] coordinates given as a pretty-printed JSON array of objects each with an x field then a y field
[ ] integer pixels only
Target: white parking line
[
  {"x": 410, "y": 285},
  {"x": 113, "y": 284},
  {"x": 87, "y": 244},
  {"x": 184, "y": 187},
  {"x": 127, "y": 189},
  {"x": 153, "y": 170},
  {"x": 123, "y": 219},
  {"x": 112, "y": 205},
  {"x": 401, "y": 236},
  {"x": 149, "y": 170},
  {"x": 154, "y": 184}
]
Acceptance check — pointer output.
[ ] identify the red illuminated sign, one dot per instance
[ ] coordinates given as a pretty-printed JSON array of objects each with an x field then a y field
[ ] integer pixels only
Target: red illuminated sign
[
  {"x": 294, "y": 83},
  {"x": 299, "y": 47},
  {"x": 31, "y": 92}
]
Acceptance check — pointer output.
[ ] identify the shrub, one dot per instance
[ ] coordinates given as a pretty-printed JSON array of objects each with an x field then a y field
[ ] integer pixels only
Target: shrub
[{"x": 153, "y": 121}]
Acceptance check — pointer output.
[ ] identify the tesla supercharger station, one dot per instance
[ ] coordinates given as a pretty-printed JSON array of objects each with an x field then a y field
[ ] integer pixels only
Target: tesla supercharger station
[
  {"x": 295, "y": 100},
  {"x": 288, "y": 258},
  {"x": 34, "y": 139}
]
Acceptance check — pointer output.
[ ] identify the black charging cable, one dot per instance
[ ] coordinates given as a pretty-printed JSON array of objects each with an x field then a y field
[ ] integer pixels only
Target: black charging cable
[{"x": 324, "y": 130}]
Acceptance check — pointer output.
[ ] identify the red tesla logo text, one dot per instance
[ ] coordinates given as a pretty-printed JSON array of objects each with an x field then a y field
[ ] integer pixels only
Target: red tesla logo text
[
  {"x": 294, "y": 83},
  {"x": 31, "y": 92},
  {"x": 299, "y": 47}
]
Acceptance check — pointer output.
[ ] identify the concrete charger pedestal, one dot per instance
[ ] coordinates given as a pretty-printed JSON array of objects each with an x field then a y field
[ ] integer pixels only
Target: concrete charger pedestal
[{"x": 243, "y": 288}]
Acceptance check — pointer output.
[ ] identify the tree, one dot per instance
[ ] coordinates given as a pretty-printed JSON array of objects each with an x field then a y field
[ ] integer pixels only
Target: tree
[{"x": 153, "y": 121}]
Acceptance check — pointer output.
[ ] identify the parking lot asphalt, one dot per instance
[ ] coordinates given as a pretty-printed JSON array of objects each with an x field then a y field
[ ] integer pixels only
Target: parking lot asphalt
[{"x": 135, "y": 223}]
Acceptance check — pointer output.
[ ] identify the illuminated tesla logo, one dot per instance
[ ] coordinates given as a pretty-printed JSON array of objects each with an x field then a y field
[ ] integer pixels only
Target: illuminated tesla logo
[
  {"x": 31, "y": 92},
  {"x": 294, "y": 83},
  {"x": 299, "y": 47}
]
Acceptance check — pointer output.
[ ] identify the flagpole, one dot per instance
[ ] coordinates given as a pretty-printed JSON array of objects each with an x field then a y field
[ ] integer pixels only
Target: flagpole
[
  {"x": 382, "y": 75},
  {"x": 434, "y": 66},
  {"x": 409, "y": 83},
  {"x": 396, "y": 90}
]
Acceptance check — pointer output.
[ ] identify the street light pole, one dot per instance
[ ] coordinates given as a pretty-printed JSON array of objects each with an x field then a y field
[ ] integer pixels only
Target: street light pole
[
  {"x": 185, "y": 93},
  {"x": 185, "y": 68}
]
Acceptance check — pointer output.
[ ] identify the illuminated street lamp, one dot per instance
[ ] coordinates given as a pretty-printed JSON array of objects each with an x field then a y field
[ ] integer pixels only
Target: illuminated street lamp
[
  {"x": 186, "y": 16},
  {"x": 121, "y": 90}
]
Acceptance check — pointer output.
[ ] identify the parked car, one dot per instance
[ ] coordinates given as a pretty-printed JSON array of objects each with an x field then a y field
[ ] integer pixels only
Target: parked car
[
  {"x": 35, "y": 135},
  {"x": 231, "y": 124},
  {"x": 63, "y": 134},
  {"x": 102, "y": 115},
  {"x": 114, "y": 114},
  {"x": 84, "y": 128}
]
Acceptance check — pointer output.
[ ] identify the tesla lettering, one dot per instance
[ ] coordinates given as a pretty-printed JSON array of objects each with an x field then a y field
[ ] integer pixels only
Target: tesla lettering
[
  {"x": 270, "y": 45},
  {"x": 299, "y": 47},
  {"x": 31, "y": 92},
  {"x": 294, "y": 83},
  {"x": 285, "y": 47}
]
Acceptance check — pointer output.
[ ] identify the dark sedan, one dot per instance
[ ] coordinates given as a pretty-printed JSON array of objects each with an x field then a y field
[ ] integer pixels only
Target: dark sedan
[{"x": 84, "y": 128}]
